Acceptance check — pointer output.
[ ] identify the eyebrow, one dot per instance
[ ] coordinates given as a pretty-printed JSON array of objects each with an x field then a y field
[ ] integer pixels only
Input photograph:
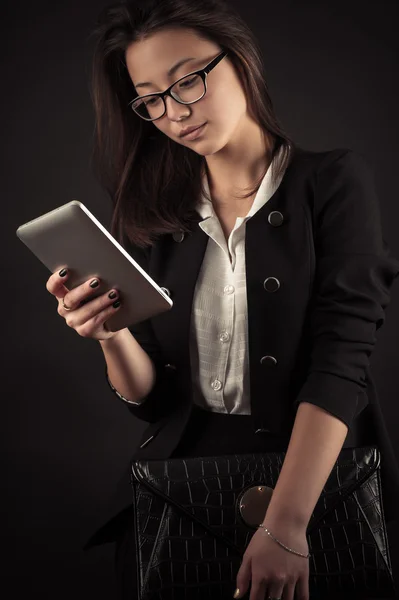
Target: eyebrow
[{"x": 171, "y": 71}]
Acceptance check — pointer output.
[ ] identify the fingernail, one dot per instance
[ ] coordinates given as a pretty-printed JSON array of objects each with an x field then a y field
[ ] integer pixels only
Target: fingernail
[
  {"x": 236, "y": 593},
  {"x": 94, "y": 283},
  {"x": 116, "y": 304},
  {"x": 112, "y": 294},
  {"x": 63, "y": 272}
]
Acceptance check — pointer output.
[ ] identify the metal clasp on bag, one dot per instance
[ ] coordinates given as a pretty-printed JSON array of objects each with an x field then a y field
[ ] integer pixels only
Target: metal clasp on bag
[{"x": 253, "y": 504}]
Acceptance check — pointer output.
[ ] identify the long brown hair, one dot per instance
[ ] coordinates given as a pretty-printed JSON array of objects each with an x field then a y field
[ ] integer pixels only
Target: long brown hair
[{"x": 155, "y": 183}]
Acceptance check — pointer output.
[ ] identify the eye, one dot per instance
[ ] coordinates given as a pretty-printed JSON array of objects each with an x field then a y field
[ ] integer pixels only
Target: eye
[
  {"x": 188, "y": 82},
  {"x": 152, "y": 101}
]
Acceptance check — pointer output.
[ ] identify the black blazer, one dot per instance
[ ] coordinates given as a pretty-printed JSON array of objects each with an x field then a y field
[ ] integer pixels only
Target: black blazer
[{"x": 311, "y": 340}]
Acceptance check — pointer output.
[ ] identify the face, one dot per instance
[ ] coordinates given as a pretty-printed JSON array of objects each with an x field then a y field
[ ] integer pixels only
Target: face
[{"x": 224, "y": 106}]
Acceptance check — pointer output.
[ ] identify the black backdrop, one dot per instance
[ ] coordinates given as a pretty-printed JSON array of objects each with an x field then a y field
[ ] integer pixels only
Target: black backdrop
[{"x": 332, "y": 73}]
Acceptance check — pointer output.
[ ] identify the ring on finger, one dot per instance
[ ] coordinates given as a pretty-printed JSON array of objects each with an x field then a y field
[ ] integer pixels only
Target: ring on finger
[{"x": 65, "y": 306}]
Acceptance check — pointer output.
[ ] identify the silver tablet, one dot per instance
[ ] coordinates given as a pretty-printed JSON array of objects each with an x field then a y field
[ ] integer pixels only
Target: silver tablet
[{"x": 71, "y": 236}]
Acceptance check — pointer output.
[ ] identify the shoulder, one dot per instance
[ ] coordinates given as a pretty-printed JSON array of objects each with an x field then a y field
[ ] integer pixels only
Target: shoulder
[
  {"x": 339, "y": 178},
  {"x": 337, "y": 161}
]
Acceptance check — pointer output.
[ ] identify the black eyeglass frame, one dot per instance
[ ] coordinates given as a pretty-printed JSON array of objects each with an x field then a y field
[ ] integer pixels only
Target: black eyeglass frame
[{"x": 203, "y": 73}]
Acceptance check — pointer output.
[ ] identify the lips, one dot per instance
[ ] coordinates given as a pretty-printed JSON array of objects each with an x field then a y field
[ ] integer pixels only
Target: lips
[{"x": 190, "y": 130}]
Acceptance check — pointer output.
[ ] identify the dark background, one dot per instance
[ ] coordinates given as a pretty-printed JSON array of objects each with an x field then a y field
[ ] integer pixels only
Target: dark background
[{"x": 332, "y": 72}]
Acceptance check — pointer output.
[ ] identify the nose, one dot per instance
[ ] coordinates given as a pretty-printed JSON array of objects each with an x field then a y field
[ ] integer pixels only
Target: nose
[{"x": 175, "y": 110}]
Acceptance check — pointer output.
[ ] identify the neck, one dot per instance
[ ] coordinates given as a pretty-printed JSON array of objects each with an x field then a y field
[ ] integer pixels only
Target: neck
[{"x": 233, "y": 170}]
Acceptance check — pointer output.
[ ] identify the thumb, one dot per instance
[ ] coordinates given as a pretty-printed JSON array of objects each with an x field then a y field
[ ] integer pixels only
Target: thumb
[{"x": 243, "y": 578}]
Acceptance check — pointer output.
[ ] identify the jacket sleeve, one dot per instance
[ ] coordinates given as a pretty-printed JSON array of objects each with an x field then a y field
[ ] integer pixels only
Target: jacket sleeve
[
  {"x": 351, "y": 290},
  {"x": 162, "y": 396}
]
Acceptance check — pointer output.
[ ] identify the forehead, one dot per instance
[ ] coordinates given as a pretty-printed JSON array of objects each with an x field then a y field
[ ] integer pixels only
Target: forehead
[{"x": 151, "y": 58}]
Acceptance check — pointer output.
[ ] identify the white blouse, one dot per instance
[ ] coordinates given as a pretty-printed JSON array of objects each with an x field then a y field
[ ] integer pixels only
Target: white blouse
[{"x": 219, "y": 327}]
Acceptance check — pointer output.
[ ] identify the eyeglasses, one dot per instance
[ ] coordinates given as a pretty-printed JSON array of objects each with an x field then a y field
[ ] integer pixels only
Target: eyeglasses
[{"x": 186, "y": 90}]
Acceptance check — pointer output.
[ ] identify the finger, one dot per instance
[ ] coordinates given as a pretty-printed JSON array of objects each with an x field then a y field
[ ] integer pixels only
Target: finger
[
  {"x": 55, "y": 283},
  {"x": 258, "y": 590},
  {"x": 243, "y": 578},
  {"x": 87, "y": 309},
  {"x": 276, "y": 589},
  {"x": 302, "y": 589},
  {"x": 289, "y": 592},
  {"x": 80, "y": 294},
  {"x": 88, "y": 327}
]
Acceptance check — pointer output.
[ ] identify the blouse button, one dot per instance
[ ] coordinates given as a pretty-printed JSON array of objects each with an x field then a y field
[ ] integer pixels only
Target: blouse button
[
  {"x": 216, "y": 385},
  {"x": 229, "y": 289},
  {"x": 271, "y": 284},
  {"x": 275, "y": 218},
  {"x": 269, "y": 361},
  {"x": 224, "y": 336}
]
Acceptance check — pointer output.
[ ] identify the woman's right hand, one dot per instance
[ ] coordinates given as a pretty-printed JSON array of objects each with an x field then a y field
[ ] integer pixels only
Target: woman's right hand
[{"x": 86, "y": 316}]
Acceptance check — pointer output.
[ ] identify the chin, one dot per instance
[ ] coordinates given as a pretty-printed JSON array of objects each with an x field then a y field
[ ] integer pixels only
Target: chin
[
  {"x": 209, "y": 149},
  {"x": 206, "y": 150},
  {"x": 209, "y": 152}
]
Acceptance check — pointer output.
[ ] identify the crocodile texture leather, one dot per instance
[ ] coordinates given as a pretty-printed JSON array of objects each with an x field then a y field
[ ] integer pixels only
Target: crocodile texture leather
[{"x": 190, "y": 536}]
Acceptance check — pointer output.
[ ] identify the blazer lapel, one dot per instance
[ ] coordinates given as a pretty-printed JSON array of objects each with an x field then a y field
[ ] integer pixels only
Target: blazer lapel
[{"x": 175, "y": 264}]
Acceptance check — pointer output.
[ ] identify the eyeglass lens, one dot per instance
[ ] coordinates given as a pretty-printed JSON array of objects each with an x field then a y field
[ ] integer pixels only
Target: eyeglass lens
[{"x": 188, "y": 89}]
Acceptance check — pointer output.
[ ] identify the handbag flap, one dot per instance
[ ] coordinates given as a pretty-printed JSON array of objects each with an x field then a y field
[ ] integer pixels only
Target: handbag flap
[{"x": 207, "y": 489}]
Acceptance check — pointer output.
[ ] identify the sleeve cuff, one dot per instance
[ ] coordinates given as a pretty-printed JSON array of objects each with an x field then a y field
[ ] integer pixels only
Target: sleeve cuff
[{"x": 340, "y": 397}]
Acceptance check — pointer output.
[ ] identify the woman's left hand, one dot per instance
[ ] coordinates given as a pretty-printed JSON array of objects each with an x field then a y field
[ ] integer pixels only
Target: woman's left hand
[{"x": 272, "y": 571}]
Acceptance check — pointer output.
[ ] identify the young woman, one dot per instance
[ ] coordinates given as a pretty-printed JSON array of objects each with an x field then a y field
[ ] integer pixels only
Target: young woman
[{"x": 272, "y": 254}]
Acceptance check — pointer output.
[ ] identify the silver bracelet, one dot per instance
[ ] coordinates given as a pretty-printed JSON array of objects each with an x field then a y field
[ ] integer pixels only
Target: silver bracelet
[
  {"x": 283, "y": 545},
  {"x": 120, "y": 395}
]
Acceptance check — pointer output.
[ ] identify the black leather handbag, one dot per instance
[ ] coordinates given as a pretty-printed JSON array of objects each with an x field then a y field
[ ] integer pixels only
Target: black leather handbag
[{"x": 194, "y": 518}]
